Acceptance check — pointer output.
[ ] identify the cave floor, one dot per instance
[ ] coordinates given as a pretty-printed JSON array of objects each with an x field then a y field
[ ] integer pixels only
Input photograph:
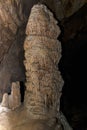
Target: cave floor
[
  {"x": 11, "y": 120},
  {"x": 18, "y": 120}
]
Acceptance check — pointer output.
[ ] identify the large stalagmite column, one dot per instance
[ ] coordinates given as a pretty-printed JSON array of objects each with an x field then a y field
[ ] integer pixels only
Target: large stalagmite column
[{"x": 42, "y": 54}]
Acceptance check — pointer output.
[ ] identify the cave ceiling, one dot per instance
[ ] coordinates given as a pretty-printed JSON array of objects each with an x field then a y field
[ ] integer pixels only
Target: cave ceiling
[{"x": 61, "y": 8}]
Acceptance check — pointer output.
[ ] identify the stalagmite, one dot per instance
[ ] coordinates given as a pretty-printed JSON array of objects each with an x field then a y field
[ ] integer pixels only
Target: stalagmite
[
  {"x": 13, "y": 100},
  {"x": 15, "y": 97},
  {"x": 5, "y": 100},
  {"x": 41, "y": 108},
  {"x": 42, "y": 54}
]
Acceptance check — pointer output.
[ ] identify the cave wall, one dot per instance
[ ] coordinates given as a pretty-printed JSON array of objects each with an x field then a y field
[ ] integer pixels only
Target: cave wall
[
  {"x": 11, "y": 44},
  {"x": 73, "y": 67}
]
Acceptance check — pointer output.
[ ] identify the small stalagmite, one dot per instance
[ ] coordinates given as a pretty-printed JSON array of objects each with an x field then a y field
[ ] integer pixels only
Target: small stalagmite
[
  {"x": 15, "y": 97},
  {"x": 5, "y": 100},
  {"x": 13, "y": 100},
  {"x": 42, "y": 54}
]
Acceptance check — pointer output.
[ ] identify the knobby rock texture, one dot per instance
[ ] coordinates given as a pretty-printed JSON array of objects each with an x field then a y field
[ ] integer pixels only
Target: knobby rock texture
[
  {"x": 11, "y": 44},
  {"x": 13, "y": 100},
  {"x": 12, "y": 33},
  {"x": 43, "y": 79},
  {"x": 42, "y": 54}
]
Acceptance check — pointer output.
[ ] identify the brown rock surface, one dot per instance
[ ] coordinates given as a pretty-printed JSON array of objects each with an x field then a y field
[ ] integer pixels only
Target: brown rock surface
[
  {"x": 42, "y": 54},
  {"x": 11, "y": 44},
  {"x": 15, "y": 97},
  {"x": 9, "y": 22},
  {"x": 19, "y": 120},
  {"x": 5, "y": 100},
  {"x": 13, "y": 100},
  {"x": 12, "y": 33},
  {"x": 42, "y": 71}
]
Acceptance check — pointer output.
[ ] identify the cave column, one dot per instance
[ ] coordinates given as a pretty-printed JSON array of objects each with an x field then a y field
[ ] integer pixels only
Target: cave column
[{"x": 42, "y": 54}]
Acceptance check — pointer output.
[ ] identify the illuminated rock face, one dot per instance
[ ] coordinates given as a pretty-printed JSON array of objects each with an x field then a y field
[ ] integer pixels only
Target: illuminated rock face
[
  {"x": 5, "y": 100},
  {"x": 15, "y": 97},
  {"x": 42, "y": 54},
  {"x": 13, "y": 100}
]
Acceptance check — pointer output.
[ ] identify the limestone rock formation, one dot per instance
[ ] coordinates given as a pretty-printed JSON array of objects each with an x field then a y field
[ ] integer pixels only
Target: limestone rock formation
[
  {"x": 13, "y": 100},
  {"x": 11, "y": 43},
  {"x": 15, "y": 97},
  {"x": 43, "y": 79},
  {"x": 10, "y": 19},
  {"x": 42, "y": 54},
  {"x": 12, "y": 32},
  {"x": 5, "y": 100}
]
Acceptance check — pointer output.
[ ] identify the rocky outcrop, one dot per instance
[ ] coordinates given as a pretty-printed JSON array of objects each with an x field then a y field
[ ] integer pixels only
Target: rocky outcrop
[{"x": 42, "y": 54}]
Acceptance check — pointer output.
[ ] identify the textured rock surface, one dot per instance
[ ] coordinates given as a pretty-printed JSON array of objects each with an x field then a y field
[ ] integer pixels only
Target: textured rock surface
[
  {"x": 10, "y": 66},
  {"x": 12, "y": 34},
  {"x": 15, "y": 97},
  {"x": 42, "y": 54},
  {"x": 13, "y": 100},
  {"x": 47, "y": 73},
  {"x": 9, "y": 22},
  {"x": 18, "y": 120},
  {"x": 11, "y": 40},
  {"x": 5, "y": 100}
]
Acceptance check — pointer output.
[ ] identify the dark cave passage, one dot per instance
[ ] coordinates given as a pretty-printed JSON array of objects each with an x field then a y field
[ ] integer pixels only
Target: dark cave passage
[
  {"x": 22, "y": 90},
  {"x": 73, "y": 68}
]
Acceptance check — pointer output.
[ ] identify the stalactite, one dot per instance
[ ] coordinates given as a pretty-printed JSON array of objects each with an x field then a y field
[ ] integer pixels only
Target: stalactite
[{"x": 42, "y": 54}]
